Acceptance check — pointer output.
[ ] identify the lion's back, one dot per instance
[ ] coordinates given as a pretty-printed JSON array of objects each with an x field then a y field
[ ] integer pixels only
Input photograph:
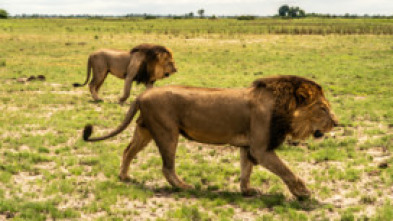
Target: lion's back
[{"x": 110, "y": 53}]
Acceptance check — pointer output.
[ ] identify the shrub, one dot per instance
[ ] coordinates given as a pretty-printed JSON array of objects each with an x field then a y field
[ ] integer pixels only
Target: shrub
[
  {"x": 246, "y": 17},
  {"x": 3, "y": 13}
]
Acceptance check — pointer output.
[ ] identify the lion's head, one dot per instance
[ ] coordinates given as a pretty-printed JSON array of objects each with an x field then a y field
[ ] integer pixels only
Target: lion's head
[
  {"x": 158, "y": 63},
  {"x": 301, "y": 108}
]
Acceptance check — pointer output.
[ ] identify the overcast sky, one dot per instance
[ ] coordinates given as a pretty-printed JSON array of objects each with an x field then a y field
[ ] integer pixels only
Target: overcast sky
[{"x": 179, "y": 7}]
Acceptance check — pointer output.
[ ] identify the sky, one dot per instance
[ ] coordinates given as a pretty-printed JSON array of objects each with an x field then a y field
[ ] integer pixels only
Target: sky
[{"x": 181, "y": 7}]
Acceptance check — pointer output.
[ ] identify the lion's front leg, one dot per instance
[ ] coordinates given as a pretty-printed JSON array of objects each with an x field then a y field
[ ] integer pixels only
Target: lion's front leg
[
  {"x": 272, "y": 162},
  {"x": 132, "y": 71},
  {"x": 127, "y": 89},
  {"x": 246, "y": 169}
]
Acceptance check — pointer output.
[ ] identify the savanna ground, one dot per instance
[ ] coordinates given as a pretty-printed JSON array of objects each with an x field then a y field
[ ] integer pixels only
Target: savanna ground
[{"x": 48, "y": 172}]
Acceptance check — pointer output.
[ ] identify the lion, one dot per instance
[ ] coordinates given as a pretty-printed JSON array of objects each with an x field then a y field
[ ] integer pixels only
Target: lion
[
  {"x": 255, "y": 119},
  {"x": 145, "y": 64}
]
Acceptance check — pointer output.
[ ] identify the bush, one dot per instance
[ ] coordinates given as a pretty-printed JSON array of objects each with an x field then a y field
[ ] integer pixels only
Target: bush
[
  {"x": 3, "y": 63},
  {"x": 3, "y": 14},
  {"x": 147, "y": 17},
  {"x": 246, "y": 17}
]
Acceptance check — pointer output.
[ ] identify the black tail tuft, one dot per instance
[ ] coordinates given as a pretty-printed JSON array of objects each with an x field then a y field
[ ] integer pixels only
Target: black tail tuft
[
  {"x": 76, "y": 85},
  {"x": 87, "y": 131}
]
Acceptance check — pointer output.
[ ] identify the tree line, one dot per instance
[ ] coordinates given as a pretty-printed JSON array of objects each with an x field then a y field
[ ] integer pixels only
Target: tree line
[{"x": 284, "y": 11}]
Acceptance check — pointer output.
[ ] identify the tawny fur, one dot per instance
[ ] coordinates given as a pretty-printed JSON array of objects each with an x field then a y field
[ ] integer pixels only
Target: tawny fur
[
  {"x": 256, "y": 119},
  {"x": 145, "y": 64}
]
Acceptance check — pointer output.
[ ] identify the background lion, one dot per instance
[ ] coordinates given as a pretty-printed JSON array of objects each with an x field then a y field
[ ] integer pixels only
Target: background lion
[
  {"x": 145, "y": 64},
  {"x": 256, "y": 119}
]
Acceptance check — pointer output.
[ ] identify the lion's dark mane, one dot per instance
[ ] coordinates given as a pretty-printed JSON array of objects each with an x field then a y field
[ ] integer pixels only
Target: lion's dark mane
[
  {"x": 284, "y": 91},
  {"x": 151, "y": 52}
]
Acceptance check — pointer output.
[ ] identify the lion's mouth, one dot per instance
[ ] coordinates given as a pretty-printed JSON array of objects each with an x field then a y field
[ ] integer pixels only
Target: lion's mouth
[
  {"x": 318, "y": 134},
  {"x": 166, "y": 74}
]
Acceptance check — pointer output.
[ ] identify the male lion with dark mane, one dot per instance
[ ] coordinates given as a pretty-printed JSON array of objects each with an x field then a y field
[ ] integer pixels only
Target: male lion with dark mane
[
  {"x": 145, "y": 64},
  {"x": 256, "y": 119}
]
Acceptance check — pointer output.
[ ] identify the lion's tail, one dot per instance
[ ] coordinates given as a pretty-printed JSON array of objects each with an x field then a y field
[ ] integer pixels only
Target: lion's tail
[
  {"x": 88, "y": 74},
  {"x": 88, "y": 130}
]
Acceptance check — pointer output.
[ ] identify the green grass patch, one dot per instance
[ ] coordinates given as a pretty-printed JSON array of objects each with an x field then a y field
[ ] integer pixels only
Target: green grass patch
[{"x": 36, "y": 210}]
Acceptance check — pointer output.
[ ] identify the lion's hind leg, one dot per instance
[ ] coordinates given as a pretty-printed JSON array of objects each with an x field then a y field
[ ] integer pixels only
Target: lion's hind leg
[
  {"x": 167, "y": 144},
  {"x": 141, "y": 138},
  {"x": 99, "y": 75}
]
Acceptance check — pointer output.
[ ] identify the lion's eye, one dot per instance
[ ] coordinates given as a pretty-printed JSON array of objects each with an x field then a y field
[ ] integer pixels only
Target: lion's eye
[{"x": 171, "y": 65}]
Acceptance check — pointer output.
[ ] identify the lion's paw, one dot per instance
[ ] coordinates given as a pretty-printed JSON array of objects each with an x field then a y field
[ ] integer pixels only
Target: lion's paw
[
  {"x": 299, "y": 190},
  {"x": 125, "y": 178},
  {"x": 251, "y": 192},
  {"x": 185, "y": 186},
  {"x": 122, "y": 101}
]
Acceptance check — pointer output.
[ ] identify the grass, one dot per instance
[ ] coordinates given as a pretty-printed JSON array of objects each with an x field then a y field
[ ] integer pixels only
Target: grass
[{"x": 48, "y": 172}]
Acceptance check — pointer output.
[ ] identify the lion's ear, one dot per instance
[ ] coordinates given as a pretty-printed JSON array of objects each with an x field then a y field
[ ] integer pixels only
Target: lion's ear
[
  {"x": 303, "y": 94},
  {"x": 259, "y": 83}
]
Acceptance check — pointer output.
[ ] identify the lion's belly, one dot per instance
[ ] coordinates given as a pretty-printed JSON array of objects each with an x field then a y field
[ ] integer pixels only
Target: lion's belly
[
  {"x": 240, "y": 140},
  {"x": 119, "y": 72},
  {"x": 230, "y": 127},
  {"x": 118, "y": 66},
  {"x": 216, "y": 120}
]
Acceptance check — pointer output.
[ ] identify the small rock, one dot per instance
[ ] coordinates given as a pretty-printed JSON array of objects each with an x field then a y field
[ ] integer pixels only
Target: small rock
[
  {"x": 374, "y": 173},
  {"x": 21, "y": 80},
  {"x": 8, "y": 215},
  {"x": 383, "y": 165},
  {"x": 31, "y": 78},
  {"x": 41, "y": 77}
]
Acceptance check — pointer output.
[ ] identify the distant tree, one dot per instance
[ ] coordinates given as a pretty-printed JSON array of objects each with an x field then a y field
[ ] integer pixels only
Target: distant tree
[
  {"x": 148, "y": 17},
  {"x": 291, "y": 12},
  {"x": 302, "y": 13},
  {"x": 246, "y": 17},
  {"x": 283, "y": 11},
  {"x": 3, "y": 13},
  {"x": 201, "y": 12}
]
